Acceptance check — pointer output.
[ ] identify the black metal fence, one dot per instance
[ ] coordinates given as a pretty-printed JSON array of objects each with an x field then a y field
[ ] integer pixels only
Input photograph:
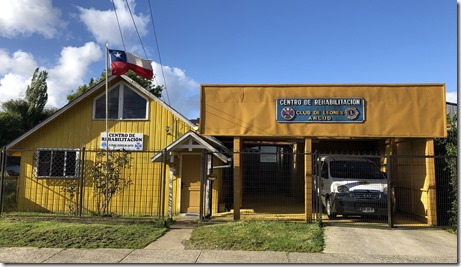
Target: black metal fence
[
  {"x": 82, "y": 182},
  {"x": 411, "y": 190}
]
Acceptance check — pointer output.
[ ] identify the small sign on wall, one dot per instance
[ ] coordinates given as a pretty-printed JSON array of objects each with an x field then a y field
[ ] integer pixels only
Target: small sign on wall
[
  {"x": 320, "y": 110},
  {"x": 120, "y": 141}
]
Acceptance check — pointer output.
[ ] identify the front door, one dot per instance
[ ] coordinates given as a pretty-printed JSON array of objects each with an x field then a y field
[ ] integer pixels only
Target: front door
[{"x": 190, "y": 184}]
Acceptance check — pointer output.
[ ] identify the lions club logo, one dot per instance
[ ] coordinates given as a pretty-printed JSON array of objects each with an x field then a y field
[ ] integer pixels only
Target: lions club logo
[{"x": 352, "y": 113}]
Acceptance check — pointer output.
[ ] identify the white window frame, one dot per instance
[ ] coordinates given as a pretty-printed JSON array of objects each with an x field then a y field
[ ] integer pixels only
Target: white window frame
[{"x": 122, "y": 87}]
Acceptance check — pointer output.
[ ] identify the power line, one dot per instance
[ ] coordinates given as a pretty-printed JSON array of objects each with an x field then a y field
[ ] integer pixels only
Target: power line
[
  {"x": 137, "y": 32},
  {"x": 118, "y": 23},
  {"x": 158, "y": 51}
]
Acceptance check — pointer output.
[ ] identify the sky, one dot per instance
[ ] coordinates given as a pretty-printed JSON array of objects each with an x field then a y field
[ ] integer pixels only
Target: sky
[{"x": 229, "y": 42}]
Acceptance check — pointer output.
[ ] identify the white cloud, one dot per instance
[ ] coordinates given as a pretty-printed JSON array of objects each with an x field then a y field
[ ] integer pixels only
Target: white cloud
[
  {"x": 452, "y": 97},
  {"x": 16, "y": 72},
  {"x": 20, "y": 63},
  {"x": 102, "y": 24},
  {"x": 68, "y": 74},
  {"x": 25, "y": 17},
  {"x": 182, "y": 91}
]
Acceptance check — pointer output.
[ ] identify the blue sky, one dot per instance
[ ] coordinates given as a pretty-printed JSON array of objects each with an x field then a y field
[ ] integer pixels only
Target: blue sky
[{"x": 230, "y": 42}]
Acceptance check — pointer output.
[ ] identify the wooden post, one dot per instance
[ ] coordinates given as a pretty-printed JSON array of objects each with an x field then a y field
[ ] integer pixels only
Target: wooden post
[
  {"x": 431, "y": 188},
  {"x": 308, "y": 179},
  {"x": 237, "y": 177}
]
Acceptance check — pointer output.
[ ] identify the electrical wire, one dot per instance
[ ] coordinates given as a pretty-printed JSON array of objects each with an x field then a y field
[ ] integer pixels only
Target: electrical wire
[
  {"x": 142, "y": 45},
  {"x": 158, "y": 51},
  {"x": 137, "y": 32},
  {"x": 118, "y": 23}
]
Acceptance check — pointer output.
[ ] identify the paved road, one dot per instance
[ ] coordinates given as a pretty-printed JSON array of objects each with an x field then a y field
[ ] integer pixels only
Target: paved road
[{"x": 343, "y": 245}]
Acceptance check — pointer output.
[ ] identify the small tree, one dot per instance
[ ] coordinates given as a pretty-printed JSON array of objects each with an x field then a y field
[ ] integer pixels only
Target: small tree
[
  {"x": 71, "y": 190},
  {"x": 107, "y": 177}
]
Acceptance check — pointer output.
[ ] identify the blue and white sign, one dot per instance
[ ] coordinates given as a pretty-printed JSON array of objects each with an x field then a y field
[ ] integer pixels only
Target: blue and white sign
[
  {"x": 320, "y": 110},
  {"x": 120, "y": 141}
]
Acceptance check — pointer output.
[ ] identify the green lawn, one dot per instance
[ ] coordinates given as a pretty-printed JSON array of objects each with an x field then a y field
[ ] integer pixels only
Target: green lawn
[
  {"x": 51, "y": 232},
  {"x": 258, "y": 236}
]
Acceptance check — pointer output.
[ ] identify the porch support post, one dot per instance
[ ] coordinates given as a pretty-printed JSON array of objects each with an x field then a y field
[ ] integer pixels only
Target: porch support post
[
  {"x": 308, "y": 180},
  {"x": 431, "y": 184},
  {"x": 237, "y": 177}
]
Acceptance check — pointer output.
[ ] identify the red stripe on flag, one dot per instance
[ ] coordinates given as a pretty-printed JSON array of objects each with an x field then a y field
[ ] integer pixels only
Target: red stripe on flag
[{"x": 146, "y": 73}]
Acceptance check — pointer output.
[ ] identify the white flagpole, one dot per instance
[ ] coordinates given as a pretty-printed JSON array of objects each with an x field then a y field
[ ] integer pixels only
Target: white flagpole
[{"x": 107, "y": 129}]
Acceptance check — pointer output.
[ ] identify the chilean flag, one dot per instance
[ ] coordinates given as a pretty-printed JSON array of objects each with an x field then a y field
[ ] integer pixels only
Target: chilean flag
[{"x": 122, "y": 61}]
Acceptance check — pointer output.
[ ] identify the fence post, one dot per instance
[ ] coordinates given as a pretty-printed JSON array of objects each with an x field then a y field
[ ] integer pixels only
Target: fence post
[
  {"x": 81, "y": 183},
  {"x": 390, "y": 192},
  {"x": 2, "y": 176},
  {"x": 202, "y": 185}
]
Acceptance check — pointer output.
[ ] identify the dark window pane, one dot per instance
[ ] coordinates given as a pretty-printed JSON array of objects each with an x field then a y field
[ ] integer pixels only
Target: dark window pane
[
  {"x": 100, "y": 105},
  {"x": 71, "y": 162},
  {"x": 134, "y": 106},
  {"x": 57, "y": 167},
  {"x": 113, "y": 103},
  {"x": 44, "y": 163}
]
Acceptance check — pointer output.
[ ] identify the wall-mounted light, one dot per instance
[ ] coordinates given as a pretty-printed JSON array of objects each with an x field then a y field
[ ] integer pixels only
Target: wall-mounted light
[{"x": 167, "y": 129}]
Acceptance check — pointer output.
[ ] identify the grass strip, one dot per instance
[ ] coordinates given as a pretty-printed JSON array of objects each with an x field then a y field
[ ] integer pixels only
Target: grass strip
[
  {"x": 259, "y": 236},
  {"x": 58, "y": 234}
]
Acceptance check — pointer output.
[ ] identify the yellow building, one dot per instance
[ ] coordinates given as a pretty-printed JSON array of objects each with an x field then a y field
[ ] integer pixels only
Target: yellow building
[
  {"x": 389, "y": 120},
  {"x": 255, "y": 148},
  {"x": 60, "y": 157}
]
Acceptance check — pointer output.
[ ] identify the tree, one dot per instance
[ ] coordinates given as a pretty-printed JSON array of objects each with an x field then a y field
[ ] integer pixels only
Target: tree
[
  {"x": 449, "y": 148},
  {"x": 36, "y": 98},
  {"x": 83, "y": 88},
  {"x": 107, "y": 173},
  {"x": 21, "y": 115},
  {"x": 11, "y": 128},
  {"x": 145, "y": 83}
]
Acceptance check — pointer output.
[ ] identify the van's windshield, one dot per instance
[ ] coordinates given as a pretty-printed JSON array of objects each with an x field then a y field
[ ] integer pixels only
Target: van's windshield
[{"x": 355, "y": 169}]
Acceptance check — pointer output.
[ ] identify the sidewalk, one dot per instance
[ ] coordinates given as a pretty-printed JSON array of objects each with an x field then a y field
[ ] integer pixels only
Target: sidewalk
[{"x": 343, "y": 245}]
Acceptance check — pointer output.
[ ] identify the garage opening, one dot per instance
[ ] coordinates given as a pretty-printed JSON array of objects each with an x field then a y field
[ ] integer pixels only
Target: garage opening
[
  {"x": 269, "y": 179},
  {"x": 363, "y": 168}
]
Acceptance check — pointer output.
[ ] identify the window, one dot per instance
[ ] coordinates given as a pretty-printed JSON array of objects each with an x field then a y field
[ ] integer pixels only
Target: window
[
  {"x": 54, "y": 163},
  {"x": 268, "y": 154},
  {"x": 124, "y": 103}
]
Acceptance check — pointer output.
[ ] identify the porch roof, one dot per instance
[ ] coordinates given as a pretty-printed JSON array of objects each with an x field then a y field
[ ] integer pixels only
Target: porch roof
[{"x": 191, "y": 141}]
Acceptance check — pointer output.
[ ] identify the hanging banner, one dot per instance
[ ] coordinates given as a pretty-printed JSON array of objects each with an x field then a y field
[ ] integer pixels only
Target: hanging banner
[
  {"x": 320, "y": 110},
  {"x": 119, "y": 141}
]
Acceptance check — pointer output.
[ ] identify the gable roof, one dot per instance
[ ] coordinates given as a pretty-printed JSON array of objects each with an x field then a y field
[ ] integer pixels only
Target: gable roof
[
  {"x": 92, "y": 90},
  {"x": 190, "y": 141}
]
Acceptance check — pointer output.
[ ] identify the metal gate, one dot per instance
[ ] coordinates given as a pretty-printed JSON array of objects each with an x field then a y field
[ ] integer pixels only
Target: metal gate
[
  {"x": 351, "y": 188},
  {"x": 398, "y": 191}
]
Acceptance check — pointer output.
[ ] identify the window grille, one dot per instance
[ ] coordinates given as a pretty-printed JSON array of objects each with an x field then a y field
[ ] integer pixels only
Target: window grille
[{"x": 56, "y": 163}]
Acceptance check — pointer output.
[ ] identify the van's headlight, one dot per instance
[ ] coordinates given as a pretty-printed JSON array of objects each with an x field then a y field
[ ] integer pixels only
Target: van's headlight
[{"x": 343, "y": 189}]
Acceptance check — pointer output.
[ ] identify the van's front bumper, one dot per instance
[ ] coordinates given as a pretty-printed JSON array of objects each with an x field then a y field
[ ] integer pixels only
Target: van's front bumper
[{"x": 349, "y": 204}]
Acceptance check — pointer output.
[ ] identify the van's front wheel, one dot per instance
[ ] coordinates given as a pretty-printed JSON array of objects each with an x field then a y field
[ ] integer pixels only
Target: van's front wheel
[{"x": 331, "y": 215}]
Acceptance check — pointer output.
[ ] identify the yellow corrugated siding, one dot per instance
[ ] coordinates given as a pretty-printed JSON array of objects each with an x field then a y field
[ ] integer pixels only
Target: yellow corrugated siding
[{"x": 75, "y": 128}]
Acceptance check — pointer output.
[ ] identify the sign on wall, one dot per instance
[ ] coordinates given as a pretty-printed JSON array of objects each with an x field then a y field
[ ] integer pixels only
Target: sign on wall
[
  {"x": 119, "y": 141},
  {"x": 320, "y": 110}
]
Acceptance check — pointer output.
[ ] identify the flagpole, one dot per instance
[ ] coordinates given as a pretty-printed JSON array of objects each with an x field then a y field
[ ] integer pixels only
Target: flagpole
[{"x": 107, "y": 131}]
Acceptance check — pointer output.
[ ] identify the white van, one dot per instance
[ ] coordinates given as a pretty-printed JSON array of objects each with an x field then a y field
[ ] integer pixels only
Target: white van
[{"x": 352, "y": 186}]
